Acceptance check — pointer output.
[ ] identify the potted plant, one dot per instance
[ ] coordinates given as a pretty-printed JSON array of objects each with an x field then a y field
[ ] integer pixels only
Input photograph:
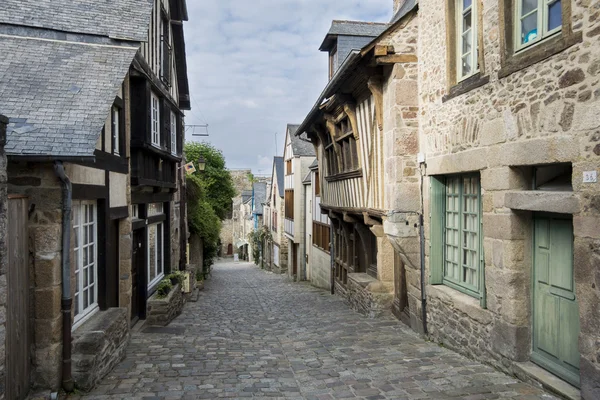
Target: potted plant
[{"x": 164, "y": 288}]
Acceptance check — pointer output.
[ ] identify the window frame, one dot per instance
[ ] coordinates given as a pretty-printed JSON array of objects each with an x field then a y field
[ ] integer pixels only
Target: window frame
[
  {"x": 116, "y": 126},
  {"x": 154, "y": 119},
  {"x": 542, "y": 21},
  {"x": 173, "y": 133},
  {"x": 158, "y": 249},
  {"x": 439, "y": 235},
  {"x": 83, "y": 314},
  {"x": 459, "y": 18}
]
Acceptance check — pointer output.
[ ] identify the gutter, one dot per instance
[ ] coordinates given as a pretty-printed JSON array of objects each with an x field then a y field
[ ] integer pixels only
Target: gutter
[
  {"x": 58, "y": 159},
  {"x": 67, "y": 300}
]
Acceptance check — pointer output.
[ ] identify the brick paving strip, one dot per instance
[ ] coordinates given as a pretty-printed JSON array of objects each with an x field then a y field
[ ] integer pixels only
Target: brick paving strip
[{"x": 253, "y": 334}]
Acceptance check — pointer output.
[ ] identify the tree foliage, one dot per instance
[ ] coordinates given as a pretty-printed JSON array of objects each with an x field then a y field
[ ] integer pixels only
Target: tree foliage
[
  {"x": 258, "y": 238},
  {"x": 209, "y": 196}
]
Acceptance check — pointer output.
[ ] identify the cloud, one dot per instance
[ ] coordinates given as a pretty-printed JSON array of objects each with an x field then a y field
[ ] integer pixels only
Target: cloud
[{"x": 254, "y": 66}]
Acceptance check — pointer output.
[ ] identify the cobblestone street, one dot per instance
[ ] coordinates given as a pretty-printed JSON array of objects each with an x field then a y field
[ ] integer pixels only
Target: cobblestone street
[{"x": 253, "y": 334}]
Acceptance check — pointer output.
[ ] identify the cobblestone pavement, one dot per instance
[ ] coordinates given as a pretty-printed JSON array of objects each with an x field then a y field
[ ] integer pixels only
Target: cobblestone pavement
[{"x": 253, "y": 334}]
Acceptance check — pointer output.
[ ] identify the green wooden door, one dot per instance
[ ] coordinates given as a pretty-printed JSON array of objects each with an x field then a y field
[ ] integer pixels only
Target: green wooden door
[{"x": 555, "y": 310}]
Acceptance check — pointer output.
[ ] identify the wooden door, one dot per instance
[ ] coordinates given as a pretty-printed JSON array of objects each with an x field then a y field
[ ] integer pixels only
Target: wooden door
[
  {"x": 295, "y": 259},
  {"x": 18, "y": 330},
  {"x": 555, "y": 309},
  {"x": 229, "y": 249},
  {"x": 137, "y": 268}
]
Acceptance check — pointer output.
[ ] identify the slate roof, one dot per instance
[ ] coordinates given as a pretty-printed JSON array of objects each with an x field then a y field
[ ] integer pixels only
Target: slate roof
[
  {"x": 117, "y": 19},
  {"x": 403, "y": 10},
  {"x": 260, "y": 196},
  {"x": 279, "y": 170},
  {"x": 301, "y": 146},
  {"x": 307, "y": 179},
  {"x": 351, "y": 28},
  {"x": 246, "y": 195},
  {"x": 356, "y": 28},
  {"x": 58, "y": 95}
]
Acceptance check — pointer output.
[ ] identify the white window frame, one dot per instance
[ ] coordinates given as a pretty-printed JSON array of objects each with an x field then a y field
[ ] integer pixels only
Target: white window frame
[
  {"x": 80, "y": 211},
  {"x": 158, "y": 250},
  {"x": 542, "y": 23},
  {"x": 173, "y": 133},
  {"x": 460, "y": 34},
  {"x": 116, "y": 130},
  {"x": 155, "y": 119}
]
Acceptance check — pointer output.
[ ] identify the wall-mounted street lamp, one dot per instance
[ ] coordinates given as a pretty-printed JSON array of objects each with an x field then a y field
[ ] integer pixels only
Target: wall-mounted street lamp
[{"x": 201, "y": 164}]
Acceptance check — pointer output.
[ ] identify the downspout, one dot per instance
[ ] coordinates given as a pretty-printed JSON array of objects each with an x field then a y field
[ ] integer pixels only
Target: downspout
[
  {"x": 67, "y": 300},
  {"x": 332, "y": 257},
  {"x": 422, "y": 246}
]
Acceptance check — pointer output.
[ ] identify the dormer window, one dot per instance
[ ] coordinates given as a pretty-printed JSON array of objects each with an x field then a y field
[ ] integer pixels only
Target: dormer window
[{"x": 333, "y": 61}]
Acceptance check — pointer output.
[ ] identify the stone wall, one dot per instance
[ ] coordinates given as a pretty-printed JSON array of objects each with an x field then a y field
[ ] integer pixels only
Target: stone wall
[
  {"x": 543, "y": 113},
  {"x": 226, "y": 236},
  {"x": 39, "y": 183},
  {"x": 161, "y": 312},
  {"x": 366, "y": 295},
  {"x": 98, "y": 346},
  {"x": 320, "y": 268},
  {"x": 3, "y": 253}
]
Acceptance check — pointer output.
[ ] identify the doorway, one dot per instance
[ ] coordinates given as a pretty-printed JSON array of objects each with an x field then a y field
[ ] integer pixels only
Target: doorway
[
  {"x": 137, "y": 270},
  {"x": 555, "y": 308},
  {"x": 400, "y": 309}
]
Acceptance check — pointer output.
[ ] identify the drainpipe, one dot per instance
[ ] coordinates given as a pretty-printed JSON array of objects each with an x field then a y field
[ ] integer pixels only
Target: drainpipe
[
  {"x": 332, "y": 257},
  {"x": 303, "y": 273},
  {"x": 67, "y": 300},
  {"x": 422, "y": 246}
]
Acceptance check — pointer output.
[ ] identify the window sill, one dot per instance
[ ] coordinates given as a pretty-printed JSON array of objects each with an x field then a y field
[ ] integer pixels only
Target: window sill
[
  {"x": 344, "y": 175},
  {"x": 467, "y": 85},
  {"x": 86, "y": 317},
  {"x": 538, "y": 52}
]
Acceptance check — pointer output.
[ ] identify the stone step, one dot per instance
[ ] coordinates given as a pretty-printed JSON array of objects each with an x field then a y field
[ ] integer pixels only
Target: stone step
[{"x": 532, "y": 373}]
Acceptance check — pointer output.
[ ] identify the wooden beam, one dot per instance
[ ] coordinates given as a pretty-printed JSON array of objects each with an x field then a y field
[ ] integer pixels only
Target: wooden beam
[
  {"x": 396, "y": 59},
  {"x": 370, "y": 221},
  {"x": 375, "y": 85},
  {"x": 383, "y": 50},
  {"x": 350, "y": 219}
]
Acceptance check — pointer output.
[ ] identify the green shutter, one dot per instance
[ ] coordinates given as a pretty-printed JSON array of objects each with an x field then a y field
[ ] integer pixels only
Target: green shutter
[{"x": 436, "y": 218}]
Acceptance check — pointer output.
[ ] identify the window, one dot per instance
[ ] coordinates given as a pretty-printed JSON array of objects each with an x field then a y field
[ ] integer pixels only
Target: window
[
  {"x": 135, "y": 211},
  {"x": 289, "y": 204},
  {"x": 116, "y": 130},
  {"x": 173, "y": 133},
  {"x": 455, "y": 231},
  {"x": 467, "y": 38},
  {"x": 165, "y": 52},
  {"x": 330, "y": 156},
  {"x": 155, "y": 253},
  {"x": 347, "y": 145},
  {"x": 85, "y": 260},
  {"x": 288, "y": 167},
  {"x": 155, "y": 120},
  {"x": 317, "y": 184},
  {"x": 274, "y": 225},
  {"x": 321, "y": 237},
  {"x": 536, "y": 20}
]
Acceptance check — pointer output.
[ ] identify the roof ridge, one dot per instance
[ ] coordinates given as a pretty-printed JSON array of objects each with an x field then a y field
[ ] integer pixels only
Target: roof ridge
[{"x": 360, "y": 22}]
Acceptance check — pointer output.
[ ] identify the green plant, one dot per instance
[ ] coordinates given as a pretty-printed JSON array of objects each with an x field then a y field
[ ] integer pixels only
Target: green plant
[
  {"x": 164, "y": 288},
  {"x": 199, "y": 276},
  {"x": 176, "y": 277},
  {"x": 258, "y": 238}
]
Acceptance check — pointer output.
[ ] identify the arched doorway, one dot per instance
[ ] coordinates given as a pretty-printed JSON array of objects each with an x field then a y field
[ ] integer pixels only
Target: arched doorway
[{"x": 230, "y": 249}]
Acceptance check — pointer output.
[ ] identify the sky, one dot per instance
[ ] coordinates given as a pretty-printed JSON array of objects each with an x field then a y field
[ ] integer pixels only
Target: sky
[{"x": 255, "y": 66}]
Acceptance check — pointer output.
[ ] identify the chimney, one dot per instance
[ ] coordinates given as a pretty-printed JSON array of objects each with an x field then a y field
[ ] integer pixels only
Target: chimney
[{"x": 397, "y": 5}]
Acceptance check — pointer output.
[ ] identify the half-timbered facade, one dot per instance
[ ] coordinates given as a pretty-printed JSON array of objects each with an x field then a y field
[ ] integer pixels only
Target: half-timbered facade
[
  {"x": 299, "y": 153},
  {"x": 159, "y": 94},
  {"x": 357, "y": 164},
  {"x": 69, "y": 155}
]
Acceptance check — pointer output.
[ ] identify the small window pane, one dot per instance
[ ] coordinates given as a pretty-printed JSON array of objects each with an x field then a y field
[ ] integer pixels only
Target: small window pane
[
  {"x": 554, "y": 15},
  {"x": 529, "y": 28},
  {"x": 467, "y": 4},
  {"x": 467, "y": 21},
  {"x": 467, "y": 43},
  {"x": 528, "y": 6},
  {"x": 466, "y": 65}
]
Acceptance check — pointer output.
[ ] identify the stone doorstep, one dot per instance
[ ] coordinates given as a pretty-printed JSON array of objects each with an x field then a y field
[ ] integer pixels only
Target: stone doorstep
[{"x": 528, "y": 371}]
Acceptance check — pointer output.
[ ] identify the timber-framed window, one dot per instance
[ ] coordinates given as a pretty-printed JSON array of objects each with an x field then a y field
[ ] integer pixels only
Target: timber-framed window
[
  {"x": 289, "y": 169},
  {"x": 341, "y": 243},
  {"x": 85, "y": 220},
  {"x": 320, "y": 236},
  {"x": 456, "y": 243},
  {"x": 317, "y": 185},
  {"x": 534, "y": 30},
  {"x": 330, "y": 156},
  {"x": 347, "y": 145},
  {"x": 165, "y": 50},
  {"x": 155, "y": 119},
  {"x": 117, "y": 124}
]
